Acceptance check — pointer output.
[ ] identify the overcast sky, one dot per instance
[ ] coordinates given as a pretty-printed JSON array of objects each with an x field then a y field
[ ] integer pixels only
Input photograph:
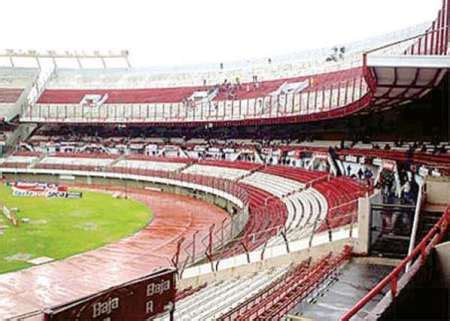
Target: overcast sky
[{"x": 164, "y": 32}]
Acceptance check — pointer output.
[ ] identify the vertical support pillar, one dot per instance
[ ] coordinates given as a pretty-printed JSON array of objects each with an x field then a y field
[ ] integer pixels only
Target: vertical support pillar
[
  {"x": 307, "y": 102},
  {"x": 80, "y": 65},
  {"x": 362, "y": 243},
  {"x": 103, "y": 62},
  {"x": 432, "y": 45},
  {"x": 194, "y": 238},
  {"x": 38, "y": 62},
  {"x": 176, "y": 257}
]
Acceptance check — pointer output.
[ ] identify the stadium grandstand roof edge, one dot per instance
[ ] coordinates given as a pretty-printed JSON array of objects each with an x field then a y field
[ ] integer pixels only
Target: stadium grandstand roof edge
[
  {"x": 303, "y": 55},
  {"x": 296, "y": 92}
]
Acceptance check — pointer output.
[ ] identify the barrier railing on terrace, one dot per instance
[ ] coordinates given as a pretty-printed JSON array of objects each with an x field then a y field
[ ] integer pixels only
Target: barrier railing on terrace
[
  {"x": 400, "y": 274},
  {"x": 228, "y": 186},
  {"x": 244, "y": 306},
  {"x": 340, "y": 95},
  {"x": 343, "y": 214},
  {"x": 219, "y": 235},
  {"x": 320, "y": 101},
  {"x": 211, "y": 244},
  {"x": 434, "y": 41},
  {"x": 39, "y": 85},
  {"x": 290, "y": 65},
  {"x": 293, "y": 286}
]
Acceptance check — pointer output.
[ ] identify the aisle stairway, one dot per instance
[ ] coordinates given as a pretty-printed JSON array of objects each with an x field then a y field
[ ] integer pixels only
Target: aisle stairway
[{"x": 396, "y": 245}]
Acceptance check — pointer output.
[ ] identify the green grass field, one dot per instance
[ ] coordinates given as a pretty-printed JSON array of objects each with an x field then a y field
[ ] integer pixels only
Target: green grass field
[{"x": 59, "y": 228}]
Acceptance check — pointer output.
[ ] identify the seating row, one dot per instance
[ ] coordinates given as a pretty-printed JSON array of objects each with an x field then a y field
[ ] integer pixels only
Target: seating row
[
  {"x": 254, "y": 296},
  {"x": 342, "y": 196},
  {"x": 277, "y": 196},
  {"x": 216, "y": 298},
  {"x": 9, "y": 95},
  {"x": 275, "y": 302}
]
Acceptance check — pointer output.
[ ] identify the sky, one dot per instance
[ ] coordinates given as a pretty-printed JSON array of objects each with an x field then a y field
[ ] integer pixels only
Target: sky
[{"x": 180, "y": 32}]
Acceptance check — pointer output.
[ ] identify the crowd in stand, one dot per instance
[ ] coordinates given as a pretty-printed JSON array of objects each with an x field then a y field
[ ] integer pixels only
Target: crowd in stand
[
  {"x": 229, "y": 90},
  {"x": 415, "y": 147}
]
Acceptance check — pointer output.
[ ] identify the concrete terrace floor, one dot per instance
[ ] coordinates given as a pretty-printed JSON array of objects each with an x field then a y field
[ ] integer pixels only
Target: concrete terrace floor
[{"x": 338, "y": 295}]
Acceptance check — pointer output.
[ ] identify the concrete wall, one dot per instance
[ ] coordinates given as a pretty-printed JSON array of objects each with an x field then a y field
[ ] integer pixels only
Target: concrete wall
[
  {"x": 422, "y": 296},
  {"x": 362, "y": 243},
  {"x": 315, "y": 253},
  {"x": 438, "y": 190},
  {"x": 443, "y": 263}
]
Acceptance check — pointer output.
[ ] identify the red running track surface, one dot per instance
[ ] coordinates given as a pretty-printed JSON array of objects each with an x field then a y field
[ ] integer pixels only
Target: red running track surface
[{"x": 59, "y": 282}]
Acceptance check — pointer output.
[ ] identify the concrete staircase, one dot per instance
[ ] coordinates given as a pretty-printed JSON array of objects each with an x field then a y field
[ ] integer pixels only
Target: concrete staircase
[
  {"x": 180, "y": 170},
  {"x": 37, "y": 161},
  {"x": 118, "y": 159},
  {"x": 21, "y": 133},
  {"x": 250, "y": 173}
]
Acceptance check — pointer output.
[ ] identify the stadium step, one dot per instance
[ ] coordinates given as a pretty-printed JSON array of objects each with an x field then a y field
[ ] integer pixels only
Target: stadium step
[
  {"x": 118, "y": 159},
  {"x": 180, "y": 170},
  {"x": 37, "y": 161},
  {"x": 250, "y": 173},
  {"x": 390, "y": 247},
  {"x": 428, "y": 219}
]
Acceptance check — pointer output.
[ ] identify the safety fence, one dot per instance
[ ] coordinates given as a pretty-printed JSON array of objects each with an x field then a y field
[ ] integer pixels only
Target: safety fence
[
  {"x": 325, "y": 271},
  {"x": 434, "y": 41},
  {"x": 249, "y": 228},
  {"x": 212, "y": 245},
  {"x": 320, "y": 101},
  {"x": 285, "y": 292},
  {"x": 417, "y": 258}
]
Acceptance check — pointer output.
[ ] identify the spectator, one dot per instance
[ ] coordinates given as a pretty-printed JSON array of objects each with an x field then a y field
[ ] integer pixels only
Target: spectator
[
  {"x": 407, "y": 195},
  {"x": 368, "y": 177},
  {"x": 386, "y": 183},
  {"x": 414, "y": 185},
  {"x": 409, "y": 153},
  {"x": 360, "y": 173}
]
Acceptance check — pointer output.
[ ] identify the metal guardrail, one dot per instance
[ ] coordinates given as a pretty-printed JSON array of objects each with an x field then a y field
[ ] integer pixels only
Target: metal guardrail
[
  {"x": 417, "y": 256},
  {"x": 212, "y": 244},
  {"x": 320, "y": 99}
]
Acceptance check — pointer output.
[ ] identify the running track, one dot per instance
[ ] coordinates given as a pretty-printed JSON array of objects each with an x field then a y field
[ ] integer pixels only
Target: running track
[{"x": 59, "y": 282}]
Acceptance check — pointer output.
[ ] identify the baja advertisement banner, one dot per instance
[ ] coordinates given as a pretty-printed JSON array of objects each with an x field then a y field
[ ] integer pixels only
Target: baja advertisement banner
[
  {"x": 42, "y": 190},
  {"x": 143, "y": 299}
]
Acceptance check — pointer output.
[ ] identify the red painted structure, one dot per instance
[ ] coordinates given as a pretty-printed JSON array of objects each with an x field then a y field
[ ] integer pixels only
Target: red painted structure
[
  {"x": 395, "y": 85},
  {"x": 9, "y": 95},
  {"x": 417, "y": 258},
  {"x": 331, "y": 95}
]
